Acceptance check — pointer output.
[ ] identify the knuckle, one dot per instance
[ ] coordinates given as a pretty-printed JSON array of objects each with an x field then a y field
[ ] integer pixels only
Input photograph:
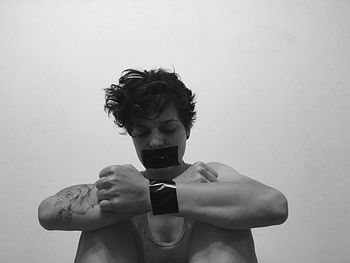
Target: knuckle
[
  {"x": 98, "y": 184},
  {"x": 200, "y": 169},
  {"x": 102, "y": 172},
  {"x": 114, "y": 168},
  {"x": 113, "y": 177},
  {"x": 108, "y": 170}
]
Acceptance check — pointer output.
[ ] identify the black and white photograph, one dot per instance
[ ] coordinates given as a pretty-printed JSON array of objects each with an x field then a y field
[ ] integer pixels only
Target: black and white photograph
[{"x": 160, "y": 131}]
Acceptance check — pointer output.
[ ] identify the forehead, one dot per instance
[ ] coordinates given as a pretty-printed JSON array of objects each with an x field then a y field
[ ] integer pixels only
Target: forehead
[{"x": 169, "y": 113}]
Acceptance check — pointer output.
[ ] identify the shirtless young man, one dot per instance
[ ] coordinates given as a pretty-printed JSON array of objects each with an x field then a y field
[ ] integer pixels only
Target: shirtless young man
[{"x": 173, "y": 211}]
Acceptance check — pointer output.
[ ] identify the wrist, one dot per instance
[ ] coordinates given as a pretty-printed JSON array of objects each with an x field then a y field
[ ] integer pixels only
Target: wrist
[{"x": 163, "y": 197}]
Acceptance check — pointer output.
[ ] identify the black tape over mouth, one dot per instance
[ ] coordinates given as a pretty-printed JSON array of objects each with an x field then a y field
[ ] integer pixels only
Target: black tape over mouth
[{"x": 160, "y": 158}]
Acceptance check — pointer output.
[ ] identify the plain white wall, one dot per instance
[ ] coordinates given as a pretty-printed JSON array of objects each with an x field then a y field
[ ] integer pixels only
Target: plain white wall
[{"x": 272, "y": 82}]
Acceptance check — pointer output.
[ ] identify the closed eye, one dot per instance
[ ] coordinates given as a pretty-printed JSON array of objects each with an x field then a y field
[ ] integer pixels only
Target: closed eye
[{"x": 168, "y": 130}]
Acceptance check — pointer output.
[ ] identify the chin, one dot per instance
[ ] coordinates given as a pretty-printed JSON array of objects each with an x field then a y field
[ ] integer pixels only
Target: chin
[
  {"x": 161, "y": 170},
  {"x": 163, "y": 173}
]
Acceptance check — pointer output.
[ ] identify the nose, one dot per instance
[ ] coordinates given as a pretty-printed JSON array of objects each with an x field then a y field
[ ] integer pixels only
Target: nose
[{"x": 156, "y": 140}]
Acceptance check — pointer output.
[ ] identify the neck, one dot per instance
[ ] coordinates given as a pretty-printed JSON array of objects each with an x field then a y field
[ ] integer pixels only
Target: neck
[{"x": 166, "y": 174}]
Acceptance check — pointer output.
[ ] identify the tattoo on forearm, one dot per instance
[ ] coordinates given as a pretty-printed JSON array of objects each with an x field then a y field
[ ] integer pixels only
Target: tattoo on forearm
[{"x": 75, "y": 199}]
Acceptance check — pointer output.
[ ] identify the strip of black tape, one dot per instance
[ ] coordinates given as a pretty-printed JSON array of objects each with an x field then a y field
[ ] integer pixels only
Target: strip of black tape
[
  {"x": 160, "y": 158},
  {"x": 163, "y": 197}
]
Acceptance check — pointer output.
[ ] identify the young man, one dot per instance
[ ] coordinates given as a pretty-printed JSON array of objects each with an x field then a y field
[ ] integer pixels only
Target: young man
[{"x": 173, "y": 211}]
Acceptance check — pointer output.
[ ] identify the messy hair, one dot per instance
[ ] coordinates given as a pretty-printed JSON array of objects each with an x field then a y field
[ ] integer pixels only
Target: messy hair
[{"x": 140, "y": 94}]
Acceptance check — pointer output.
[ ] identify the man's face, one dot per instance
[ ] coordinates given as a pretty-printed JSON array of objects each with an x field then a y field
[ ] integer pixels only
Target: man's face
[{"x": 165, "y": 131}]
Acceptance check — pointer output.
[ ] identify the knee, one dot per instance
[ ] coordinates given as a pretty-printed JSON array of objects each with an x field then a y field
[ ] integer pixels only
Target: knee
[
  {"x": 212, "y": 244},
  {"x": 115, "y": 243}
]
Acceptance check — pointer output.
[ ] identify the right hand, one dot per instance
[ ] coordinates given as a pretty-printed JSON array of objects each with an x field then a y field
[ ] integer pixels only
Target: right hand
[
  {"x": 122, "y": 188},
  {"x": 199, "y": 172}
]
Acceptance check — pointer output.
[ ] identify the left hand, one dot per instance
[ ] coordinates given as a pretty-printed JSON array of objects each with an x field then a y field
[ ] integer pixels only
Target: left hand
[
  {"x": 198, "y": 172},
  {"x": 122, "y": 188}
]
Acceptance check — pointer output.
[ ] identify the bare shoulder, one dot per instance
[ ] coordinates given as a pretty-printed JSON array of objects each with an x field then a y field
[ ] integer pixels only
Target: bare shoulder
[{"x": 226, "y": 173}]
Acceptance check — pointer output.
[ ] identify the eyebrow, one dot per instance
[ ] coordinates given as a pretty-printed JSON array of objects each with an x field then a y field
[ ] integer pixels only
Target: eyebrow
[{"x": 163, "y": 122}]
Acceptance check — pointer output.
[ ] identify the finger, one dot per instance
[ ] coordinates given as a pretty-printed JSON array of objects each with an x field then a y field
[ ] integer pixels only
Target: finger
[
  {"x": 211, "y": 170},
  {"x": 103, "y": 183},
  {"x": 207, "y": 171},
  {"x": 106, "y": 205},
  {"x": 108, "y": 171},
  {"x": 208, "y": 175},
  {"x": 103, "y": 195}
]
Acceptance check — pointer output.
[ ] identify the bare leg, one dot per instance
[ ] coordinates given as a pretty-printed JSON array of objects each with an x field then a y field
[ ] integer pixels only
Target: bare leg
[
  {"x": 212, "y": 244},
  {"x": 115, "y": 243}
]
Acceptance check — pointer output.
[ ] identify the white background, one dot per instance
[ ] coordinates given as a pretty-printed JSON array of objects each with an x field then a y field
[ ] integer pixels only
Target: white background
[{"x": 272, "y": 83}]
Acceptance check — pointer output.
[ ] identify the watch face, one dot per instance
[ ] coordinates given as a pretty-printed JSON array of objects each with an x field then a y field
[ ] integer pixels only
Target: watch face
[{"x": 160, "y": 158}]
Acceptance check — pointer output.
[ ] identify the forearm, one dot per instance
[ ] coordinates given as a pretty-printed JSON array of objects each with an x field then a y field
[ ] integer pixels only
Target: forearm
[
  {"x": 232, "y": 205},
  {"x": 76, "y": 208}
]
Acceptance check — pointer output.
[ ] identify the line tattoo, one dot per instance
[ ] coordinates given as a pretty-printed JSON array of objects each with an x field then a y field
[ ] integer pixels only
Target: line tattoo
[{"x": 75, "y": 199}]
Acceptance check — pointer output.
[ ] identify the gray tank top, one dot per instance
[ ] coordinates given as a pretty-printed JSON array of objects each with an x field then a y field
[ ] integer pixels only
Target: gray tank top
[{"x": 156, "y": 251}]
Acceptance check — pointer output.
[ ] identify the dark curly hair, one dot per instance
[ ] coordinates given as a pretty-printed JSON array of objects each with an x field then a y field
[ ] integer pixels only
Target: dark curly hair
[{"x": 140, "y": 94}]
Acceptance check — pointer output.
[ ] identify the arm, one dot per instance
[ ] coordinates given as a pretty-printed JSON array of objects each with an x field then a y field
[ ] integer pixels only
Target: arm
[
  {"x": 76, "y": 208},
  {"x": 234, "y": 202},
  {"x": 230, "y": 201}
]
